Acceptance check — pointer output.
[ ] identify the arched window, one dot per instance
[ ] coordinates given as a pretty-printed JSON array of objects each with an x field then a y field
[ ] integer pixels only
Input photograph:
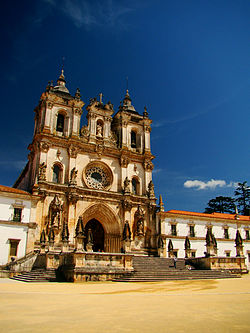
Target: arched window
[
  {"x": 60, "y": 123},
  {"x": 57, "y": 174},
  {"x": 133, "y": 139},
  {"x": 135, "y": 186}
]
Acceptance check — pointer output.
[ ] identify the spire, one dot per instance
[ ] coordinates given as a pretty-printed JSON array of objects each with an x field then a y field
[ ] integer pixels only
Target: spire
[
  {"x": 126, "y": 104},
  {"x": 61, "y": 83},
  {"x": 161, "y": 204}
]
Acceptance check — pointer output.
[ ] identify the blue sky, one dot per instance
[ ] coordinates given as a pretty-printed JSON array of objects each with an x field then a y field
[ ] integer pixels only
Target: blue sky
[{"x": 187, "y": 61}]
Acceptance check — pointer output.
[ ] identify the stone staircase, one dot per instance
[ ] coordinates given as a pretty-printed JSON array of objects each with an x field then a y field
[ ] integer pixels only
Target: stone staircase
[
  {"x": 150, "y": 269},
  {"x": 36, "y": 275}
]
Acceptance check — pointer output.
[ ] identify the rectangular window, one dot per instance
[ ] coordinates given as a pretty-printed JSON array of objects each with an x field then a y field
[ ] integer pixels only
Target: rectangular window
[
  {"x": 227, "y": 253},
  {"x": 173, "y": 230},
  {"x": 191, "y": 231},
  {"x": 175, "y": 253},
  {"x": 193, "y": 254},
  {"x": 17, "y": 216},
  {"x": 13, "y": 247},
  {"x": 247, "y": 235},
  {"x": 226, "y": 235}
]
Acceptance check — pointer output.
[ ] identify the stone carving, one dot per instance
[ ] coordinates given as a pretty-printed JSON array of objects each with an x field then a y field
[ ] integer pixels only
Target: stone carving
[
  {"x": 55, "y": 211},
  {"x": 140, "y": 212},
  {"x": 44, "y": 147},
  {"x": 148, "y": 165},
  {"x": 65, "y": 232},
  {"x": 170, "y": 246},
  {"x": 187, "y": 243},
  {"x": 73, "y": 151},
  {"x": 80, "y": 231},
  {"x": 126, "y": 204},
  {"x": 113, "y": 138},
  {"x": 124, "y": 161},
  {"x": 85, "y": 131},
  {"x": 92, "y": 101},
  {"x": 43, "y": 238},
  {"x": 126, "y": 235},
  {"x": 73, "y": 176},
  {"x": 160, "y": 243},
  {"x": 99, "y": 131},
  {"x": 145, "y": 112},
  {"x": 211, "y": 243},
  {"x": 126, "y": 186},
  {"x": 151, "y": 192},
  {"x": 239, "y": 244},
  {"x": 51, "y": 236},
  {"x": 140, "y": 228},
  {"x": 42, "y": 171},
  {"x": 78, "y": 111}
]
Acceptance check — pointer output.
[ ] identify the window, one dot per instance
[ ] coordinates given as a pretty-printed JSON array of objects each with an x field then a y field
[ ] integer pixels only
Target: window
[
  {"x": 247, "y": 235},
  {"x": 173, "y": 230},
  {"x": 17, "y": 216},
  {"x": 133, "y": 139},
  {"x": 175, "y": 253},
  {"x": 191, "y": 231},
  {"x": 60, "y": 123},
  {"x": 57, "y": 172},
  {"x": 227, "y": 253},
  {"x": 13, "y": 247},
  {"x": 226, "y": 235},
  {"x": 248, "y": 257},
  {"x": 193, "y": 253},
  {"x": 135, "y": 186}
]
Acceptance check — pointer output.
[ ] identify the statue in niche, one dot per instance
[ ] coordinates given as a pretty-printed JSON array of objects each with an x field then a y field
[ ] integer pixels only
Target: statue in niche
[
  {"x": 126, "y": 232},
  {"x": 55, "y": 210},
  {"x": 151, "y": 192},
  {"x": 140, "y": 228},
  {"x": 73, "y": 176},
  {"x": 99, "y": 131},
  {"x": 126, "y": 185},
  {"x": 42, "y": 171}
]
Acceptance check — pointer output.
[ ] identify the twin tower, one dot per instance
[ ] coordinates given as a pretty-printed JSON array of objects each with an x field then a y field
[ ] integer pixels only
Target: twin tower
[{"x": 97, "y": 177}]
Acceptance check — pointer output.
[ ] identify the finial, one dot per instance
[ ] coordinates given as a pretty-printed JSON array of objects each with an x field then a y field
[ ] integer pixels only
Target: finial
[
  {"x": 161, "y": 204},
  {"x": 77, "y": 94},
  {"x": 145, "y": 113},
  {"x": 101, "y": 96}
]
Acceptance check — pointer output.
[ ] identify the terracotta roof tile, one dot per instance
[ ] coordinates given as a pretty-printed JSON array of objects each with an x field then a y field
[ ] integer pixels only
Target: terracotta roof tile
[
  {"x": 213, "y": 215},
  {"x": 12, "y": 190}
]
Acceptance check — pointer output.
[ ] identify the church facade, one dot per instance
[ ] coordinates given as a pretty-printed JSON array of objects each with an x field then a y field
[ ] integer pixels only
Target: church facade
[
  {"x": 98, "y": 176},
  {"x": 95, "y": 206}
]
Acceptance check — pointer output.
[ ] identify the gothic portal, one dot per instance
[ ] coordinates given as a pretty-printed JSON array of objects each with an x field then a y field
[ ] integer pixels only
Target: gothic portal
[{"x": 94, "y": 181}]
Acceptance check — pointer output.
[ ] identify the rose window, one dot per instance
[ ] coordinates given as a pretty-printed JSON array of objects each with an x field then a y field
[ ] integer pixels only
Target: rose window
[{"x": 97, "y": 177}]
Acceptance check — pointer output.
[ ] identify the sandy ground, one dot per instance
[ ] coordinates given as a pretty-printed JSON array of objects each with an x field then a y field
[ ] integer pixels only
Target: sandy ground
[{"x": 174, "y": 306}]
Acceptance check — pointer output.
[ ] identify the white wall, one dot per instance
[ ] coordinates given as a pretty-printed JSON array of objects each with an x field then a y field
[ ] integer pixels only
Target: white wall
[
  {"x": 12, "y": 232},
  {"x": 7, "y": 209}
]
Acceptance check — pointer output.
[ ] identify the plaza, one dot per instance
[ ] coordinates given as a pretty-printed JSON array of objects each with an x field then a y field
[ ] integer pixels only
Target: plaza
[{"x": 169, "y": 306}]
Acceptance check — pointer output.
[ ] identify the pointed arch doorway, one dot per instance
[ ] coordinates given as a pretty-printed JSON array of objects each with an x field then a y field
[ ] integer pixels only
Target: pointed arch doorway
[
  {"x": 108, "y": 223},
  {"x": 98, "y": 234}
]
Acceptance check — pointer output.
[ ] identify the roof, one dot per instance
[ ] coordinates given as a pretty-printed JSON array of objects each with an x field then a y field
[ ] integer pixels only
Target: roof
[
  {"x": 213, "y": 215},
  {"x": 13, "y": 190}
]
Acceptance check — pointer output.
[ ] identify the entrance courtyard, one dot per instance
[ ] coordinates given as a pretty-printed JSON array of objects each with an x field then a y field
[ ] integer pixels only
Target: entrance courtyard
[{"x": 169, "y": 306}]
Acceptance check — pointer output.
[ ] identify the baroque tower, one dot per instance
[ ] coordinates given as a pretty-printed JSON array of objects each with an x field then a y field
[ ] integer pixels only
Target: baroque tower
[{"x": 94, "y": 181}]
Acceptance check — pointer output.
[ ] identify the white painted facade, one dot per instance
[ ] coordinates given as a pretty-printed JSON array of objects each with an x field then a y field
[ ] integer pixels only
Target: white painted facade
[
  {"x": 200, "y": 222},
  {"x": 11, "y": 228}
]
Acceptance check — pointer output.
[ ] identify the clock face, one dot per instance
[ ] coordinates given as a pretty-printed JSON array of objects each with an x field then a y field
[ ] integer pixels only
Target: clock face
[{"x": 97, "y": 176}]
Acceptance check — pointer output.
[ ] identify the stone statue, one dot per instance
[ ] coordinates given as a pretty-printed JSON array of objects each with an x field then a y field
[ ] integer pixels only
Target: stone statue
[
  {"x": 126, "y": 235},
  {"x": 126, "y": 185},
  {"x": 140, "y": 228},
  {"x": 42, "y": 171},
  {"x": 151, "y": 192},
  {"x": 73, "y": 176},
  {"x": 99, "y": 131}
]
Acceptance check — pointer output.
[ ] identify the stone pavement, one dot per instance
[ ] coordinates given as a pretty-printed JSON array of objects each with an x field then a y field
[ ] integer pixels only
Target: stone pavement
[{"x": 169, "y": 306}]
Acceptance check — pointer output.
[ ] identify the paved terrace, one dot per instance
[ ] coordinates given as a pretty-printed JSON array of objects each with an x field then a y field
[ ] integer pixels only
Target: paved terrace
[{"x": 169, "y": 306}]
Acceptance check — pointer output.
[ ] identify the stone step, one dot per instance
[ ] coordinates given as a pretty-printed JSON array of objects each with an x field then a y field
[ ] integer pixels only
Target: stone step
[{"x": 36, "y": 276}]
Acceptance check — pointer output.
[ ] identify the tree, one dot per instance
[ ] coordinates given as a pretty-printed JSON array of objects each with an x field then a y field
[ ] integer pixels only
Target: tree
[
  {"x": 242, "y": 194},
  {"x": 221, "y": 205}
]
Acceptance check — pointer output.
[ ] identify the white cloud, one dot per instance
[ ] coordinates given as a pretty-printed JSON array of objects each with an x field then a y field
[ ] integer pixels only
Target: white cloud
[
  {"x": 93, "y": 13},
  {"x": 211, "y": 184}
]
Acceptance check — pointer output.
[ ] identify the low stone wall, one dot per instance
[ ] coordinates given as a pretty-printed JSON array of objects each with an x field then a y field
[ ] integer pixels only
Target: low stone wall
[
  {"x": 219, "y": 263},
  {"x": 90, "y": 266}
]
